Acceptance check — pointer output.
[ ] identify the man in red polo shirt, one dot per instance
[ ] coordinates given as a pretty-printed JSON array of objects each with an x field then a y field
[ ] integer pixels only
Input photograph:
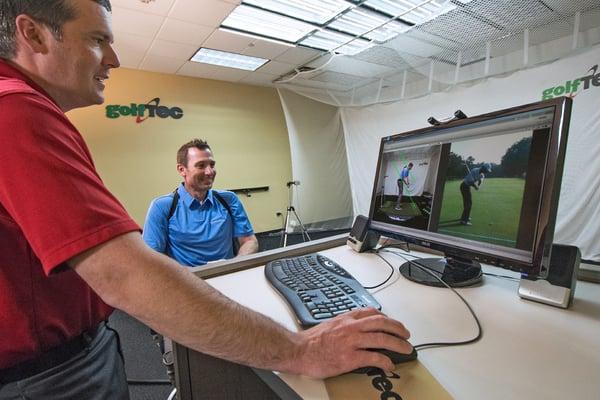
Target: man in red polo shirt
[{"x": 69, "y": 252}]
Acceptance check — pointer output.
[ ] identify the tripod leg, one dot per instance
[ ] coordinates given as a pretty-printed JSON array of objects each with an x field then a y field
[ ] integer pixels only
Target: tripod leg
[
  {"x": 284, "y": 232},
  {"x": 304, "y": 231}
]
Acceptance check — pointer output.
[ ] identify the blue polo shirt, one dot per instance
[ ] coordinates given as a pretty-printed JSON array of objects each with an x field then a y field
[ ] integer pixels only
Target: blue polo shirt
[
  {"x": 472, "y": 177},
  {"x": 405, "y": 172},
  {"x": 196, "y": 233}
]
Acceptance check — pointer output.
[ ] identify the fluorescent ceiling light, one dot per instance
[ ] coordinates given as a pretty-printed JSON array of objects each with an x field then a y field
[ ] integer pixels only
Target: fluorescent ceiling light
[
  {"x": 318, "y": 11},
  {"x": 419, "y": 15},
  {"x": 328, "y": 40},
  {"x": 265, "y": 23},
  {"x": 359, "y": 21},
  {"x": 225, "y": 59}
]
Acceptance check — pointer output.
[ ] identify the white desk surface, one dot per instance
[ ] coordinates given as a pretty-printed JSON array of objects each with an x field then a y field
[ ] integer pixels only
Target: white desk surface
[{"x": 528, "y": 350}]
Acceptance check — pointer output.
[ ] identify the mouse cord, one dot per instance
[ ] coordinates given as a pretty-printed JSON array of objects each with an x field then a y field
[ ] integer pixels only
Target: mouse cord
[
  {"x": 376, "y": 252},
  {"x": 443, "y": 344}
]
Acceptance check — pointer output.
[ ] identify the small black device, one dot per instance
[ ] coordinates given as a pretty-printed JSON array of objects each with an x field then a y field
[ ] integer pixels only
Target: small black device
[
  {"x": 397, "y": 358},
  {"x": 317, "y": 288},
  {"x": 458, "y": 114},
  {"x": 361, "y": 237},
  {"x": 433, "y": 121}
]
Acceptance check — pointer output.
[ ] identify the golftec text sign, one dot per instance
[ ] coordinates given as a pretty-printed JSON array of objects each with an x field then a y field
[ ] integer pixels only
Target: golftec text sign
[
  {"x": 141, "y": 112},
  {"x": 571, "y": 87}
]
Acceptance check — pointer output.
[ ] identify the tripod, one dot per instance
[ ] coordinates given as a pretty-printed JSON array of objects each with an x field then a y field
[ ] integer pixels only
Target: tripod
[{"x": 292, "y": 210}]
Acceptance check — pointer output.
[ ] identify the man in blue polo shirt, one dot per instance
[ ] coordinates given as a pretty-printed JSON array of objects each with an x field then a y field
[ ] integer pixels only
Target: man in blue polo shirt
[
  {"x": 403, "y": 181},
  {"x": 197, "y": 224}
]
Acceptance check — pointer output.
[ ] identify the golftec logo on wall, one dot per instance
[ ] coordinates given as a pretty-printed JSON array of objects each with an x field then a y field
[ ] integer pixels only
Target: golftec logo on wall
[
  {"x": 142, "y": 112},
  {"x": 571, "y": 87}
]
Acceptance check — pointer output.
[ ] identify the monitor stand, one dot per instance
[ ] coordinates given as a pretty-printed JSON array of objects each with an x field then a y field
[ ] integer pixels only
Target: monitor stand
[{"x": 456, "y": 272}]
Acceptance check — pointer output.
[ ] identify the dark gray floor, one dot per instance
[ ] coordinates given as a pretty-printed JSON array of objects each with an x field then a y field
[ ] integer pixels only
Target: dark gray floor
[{"x": 142, "y": 358}]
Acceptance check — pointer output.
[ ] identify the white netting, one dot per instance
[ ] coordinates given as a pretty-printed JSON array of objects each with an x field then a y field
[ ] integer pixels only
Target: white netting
[{"x": 476, "y": 40}]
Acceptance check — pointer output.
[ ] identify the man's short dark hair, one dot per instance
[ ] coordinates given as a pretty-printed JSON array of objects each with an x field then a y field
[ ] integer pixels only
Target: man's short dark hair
[
  {"x": 52, "y": 13},
  {"x": 182, "y": 153}
]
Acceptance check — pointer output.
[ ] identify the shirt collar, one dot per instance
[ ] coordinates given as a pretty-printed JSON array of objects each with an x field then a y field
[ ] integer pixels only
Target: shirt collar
[
  {"x": 9, "y": 71},
  {"x": 189, "y": 200}
]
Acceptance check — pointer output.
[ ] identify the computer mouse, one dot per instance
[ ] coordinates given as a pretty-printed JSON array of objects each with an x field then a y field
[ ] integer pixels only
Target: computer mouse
[{"x": 397, "y": 358}]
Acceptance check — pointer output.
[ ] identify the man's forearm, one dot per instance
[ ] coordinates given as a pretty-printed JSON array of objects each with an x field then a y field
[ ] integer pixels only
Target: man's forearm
[
  {"x": 248, "y": 245},
  {"x": 173, "y": 301},
  {"x": 187, "y": 309}
]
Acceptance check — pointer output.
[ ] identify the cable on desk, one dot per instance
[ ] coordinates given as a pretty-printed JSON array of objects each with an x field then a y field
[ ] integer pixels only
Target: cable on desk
[
  {"x": 511, "y": 278},
  {"x": 443, "y": 344},
  {"x": 407, "y": 252},
  {"x": 376, "y": 252}
]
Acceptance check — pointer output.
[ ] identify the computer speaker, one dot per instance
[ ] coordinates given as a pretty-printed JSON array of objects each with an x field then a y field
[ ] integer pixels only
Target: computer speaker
[
  {"x": 559, "y": 286},
  {"x": 361, "y": 237}
]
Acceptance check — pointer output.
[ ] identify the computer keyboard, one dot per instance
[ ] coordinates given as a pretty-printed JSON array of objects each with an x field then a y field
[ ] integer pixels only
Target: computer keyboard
[{"x": 317, "y": 288}]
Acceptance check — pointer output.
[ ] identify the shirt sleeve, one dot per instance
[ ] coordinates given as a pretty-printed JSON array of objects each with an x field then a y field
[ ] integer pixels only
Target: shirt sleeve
[
  {"x": 49, "y": 185},
  {"x": 156, "y": 228},
  {"x": 241, "y": 223}
]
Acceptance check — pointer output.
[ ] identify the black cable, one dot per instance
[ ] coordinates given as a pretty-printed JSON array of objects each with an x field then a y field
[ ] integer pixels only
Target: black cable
[
  {"x": 435, "y": 271},
  {"x": 376, "y": 252},
  {"x": 149, "y": 382},
  {"x": 442, "y": 344},
  {"x": 512, "y": 278}
]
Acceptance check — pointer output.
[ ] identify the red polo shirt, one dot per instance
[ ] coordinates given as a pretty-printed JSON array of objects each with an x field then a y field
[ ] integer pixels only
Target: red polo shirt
[{"x": 53, "y": 206}]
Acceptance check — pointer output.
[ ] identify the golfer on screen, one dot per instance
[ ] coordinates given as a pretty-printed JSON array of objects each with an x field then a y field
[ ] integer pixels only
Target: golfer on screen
[{"x": 474, "y": 178}]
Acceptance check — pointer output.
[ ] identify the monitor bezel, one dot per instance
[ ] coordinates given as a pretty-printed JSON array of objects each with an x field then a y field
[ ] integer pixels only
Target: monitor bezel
[{"x": 530, "y": 263}]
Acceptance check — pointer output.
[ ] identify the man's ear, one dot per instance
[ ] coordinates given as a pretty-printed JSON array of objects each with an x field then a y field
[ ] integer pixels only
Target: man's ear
[
  {"x": 181, "y": 169},
  {"x": 31, "y": 34}
]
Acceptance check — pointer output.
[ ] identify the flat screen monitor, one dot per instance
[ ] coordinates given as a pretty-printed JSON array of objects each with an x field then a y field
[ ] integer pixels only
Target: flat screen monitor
[{"x": 479, "y": 189}]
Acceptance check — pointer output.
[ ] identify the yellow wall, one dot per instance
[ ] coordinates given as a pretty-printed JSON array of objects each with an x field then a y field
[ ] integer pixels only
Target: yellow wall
[{"x": 243, "y": 124}]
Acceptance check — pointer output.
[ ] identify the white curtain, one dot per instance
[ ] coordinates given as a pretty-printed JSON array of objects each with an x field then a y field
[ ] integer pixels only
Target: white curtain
[
  {"x": 318, "y": 160},
  {"x": 578, "y": 221}
]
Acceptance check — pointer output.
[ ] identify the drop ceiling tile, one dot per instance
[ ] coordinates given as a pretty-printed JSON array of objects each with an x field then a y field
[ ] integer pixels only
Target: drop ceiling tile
[
  {"x": 184, "y": 32},
  {"x": 229, "y": 74},
  {"x": 137, "y": 23},
  {"x": 202, "y": 70},
  {"x": 198, "y": 70},
  {"x": 266, "y": 49},
  {"x": 259, "y": 78},
  {"x": 158, "y": 7},
  {"x": 131, "y": 48},
  {"x": 276, "y": 68},
  {"x": 298, "y": 55},
  {"x": 202, "y": 12},
  {"x": 165, "y": 65},
  {"x": 165, "y": 48},
  {"x": 228, "y": 41}
]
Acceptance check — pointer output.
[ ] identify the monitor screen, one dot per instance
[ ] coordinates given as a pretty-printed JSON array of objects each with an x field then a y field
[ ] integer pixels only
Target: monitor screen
[{"x": 478, "y": 189}]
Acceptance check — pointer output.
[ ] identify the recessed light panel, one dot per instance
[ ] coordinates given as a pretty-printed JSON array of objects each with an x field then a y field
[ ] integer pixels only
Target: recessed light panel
[
  {"x": 225, "y": 59},
  {"x": 319, "y": 11},
  {"x": 265, "y": 23},
  {"x": 359, "y": 21},
  {"x": 328, "y": 40},
  {"x": 421, "y": 14}
]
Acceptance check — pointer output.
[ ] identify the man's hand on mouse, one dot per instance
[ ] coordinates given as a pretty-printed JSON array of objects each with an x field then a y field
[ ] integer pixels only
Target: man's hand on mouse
[{"x": 340, "y": 345}]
